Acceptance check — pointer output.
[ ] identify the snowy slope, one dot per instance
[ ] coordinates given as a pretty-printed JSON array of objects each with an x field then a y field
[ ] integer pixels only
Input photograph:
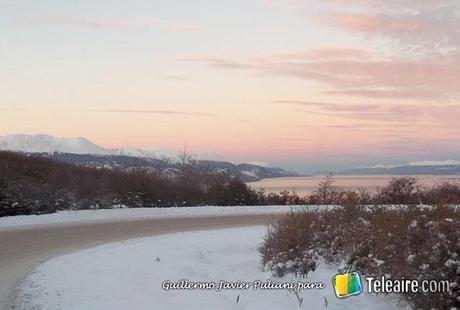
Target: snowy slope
[
  {"x": 448, "y": 162},
  {"x": 445, "y": 167},
  {"x": 145, "y": 152},
  {"x": 41, "y": 143},
  {"x": 129, "y": 275}
]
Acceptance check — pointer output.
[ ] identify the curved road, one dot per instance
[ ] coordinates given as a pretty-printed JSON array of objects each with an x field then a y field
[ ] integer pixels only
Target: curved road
[{"x": 21, "y": 250}]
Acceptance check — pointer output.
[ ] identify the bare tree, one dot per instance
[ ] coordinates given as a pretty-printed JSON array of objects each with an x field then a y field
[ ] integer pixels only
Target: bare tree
[{"x": 327, "y": 192}]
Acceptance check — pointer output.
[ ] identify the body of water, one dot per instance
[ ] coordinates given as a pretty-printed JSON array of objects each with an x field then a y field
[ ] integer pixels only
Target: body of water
[{"x": 306, "y": 185}]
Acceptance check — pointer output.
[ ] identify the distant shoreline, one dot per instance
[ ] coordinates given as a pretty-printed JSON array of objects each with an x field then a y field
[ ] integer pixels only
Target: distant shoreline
[{"x": 307, "y": 184}]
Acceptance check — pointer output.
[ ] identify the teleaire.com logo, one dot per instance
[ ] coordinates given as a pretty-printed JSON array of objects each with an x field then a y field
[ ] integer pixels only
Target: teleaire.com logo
[{"x": 349, "y": 284}]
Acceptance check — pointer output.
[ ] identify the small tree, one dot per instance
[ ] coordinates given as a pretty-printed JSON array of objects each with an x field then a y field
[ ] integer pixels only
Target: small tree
[{"x": 327, "y": 192}]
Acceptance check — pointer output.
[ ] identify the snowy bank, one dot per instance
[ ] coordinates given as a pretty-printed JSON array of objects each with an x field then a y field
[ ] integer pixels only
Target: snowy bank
[
  {"x": 121, "y": 214},
  {"x": 129, "y": 275}
]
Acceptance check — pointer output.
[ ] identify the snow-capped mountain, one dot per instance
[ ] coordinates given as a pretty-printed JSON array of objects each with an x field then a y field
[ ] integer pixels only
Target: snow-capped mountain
[
  {"x": 412, "y": 168},
  {"x": 145, "y": 152},
  {"x": 82, "y": 152},
  {"x": 448, "y": 162},
  {"x": 155, "y": 152},
  {"x": 41, "y": 143}
]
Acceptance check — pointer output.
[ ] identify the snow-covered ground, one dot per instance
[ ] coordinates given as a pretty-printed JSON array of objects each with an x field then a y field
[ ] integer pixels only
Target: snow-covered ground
[
  {"x": 107, "y": 215},
  {"x": 129, "y": 275}
]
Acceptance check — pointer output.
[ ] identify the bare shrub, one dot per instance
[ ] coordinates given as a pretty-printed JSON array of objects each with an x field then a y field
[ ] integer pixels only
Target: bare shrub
[
  {"x": 398, "y": 191},
  {"x": 443, "y": 193},
  {"x": 327, "y": 192}
]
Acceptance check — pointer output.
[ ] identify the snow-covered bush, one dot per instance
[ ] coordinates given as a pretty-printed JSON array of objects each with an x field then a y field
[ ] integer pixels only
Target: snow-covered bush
[{"x": 408, "y": 242}]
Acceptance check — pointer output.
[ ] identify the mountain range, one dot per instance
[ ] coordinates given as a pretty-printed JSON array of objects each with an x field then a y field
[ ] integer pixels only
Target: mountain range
[
  {"x": 42, "y": 143},
  {"x": 81, "y": 151},
  {"x": 445, "y": 167}
]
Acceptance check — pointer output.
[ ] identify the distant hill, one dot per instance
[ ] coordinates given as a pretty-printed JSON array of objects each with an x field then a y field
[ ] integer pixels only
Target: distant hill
[
  {"x": 82, "y": 152},
  {"x": 448, "y": 167},
  {"x": 248, "y": 172},
  {"x": 245, "y": 172}
]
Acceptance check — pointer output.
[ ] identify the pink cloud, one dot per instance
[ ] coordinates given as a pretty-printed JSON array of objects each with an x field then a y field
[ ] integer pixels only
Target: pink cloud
[
  {"x": 365, "y": 23},
  {"x": 429, "y": 113},
  {"x": 427, "y": 78},
  {"x": 384, "y": 93},
  {"x": 394, "y": 4},
  {"x": 423, "y": 37},
  {"x": 426, "y": 27},
  {"x": 326, "y": 53}
]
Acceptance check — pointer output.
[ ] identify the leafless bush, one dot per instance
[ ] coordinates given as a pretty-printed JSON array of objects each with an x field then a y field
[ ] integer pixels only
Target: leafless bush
[
  {"x": 443, "y": 193},
  {"x": 398, "y": 191},
  {"x": 327, "y": 192}
]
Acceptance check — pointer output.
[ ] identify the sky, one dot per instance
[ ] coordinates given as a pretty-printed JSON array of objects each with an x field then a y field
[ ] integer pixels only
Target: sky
[{"x": 303, "y": 84}]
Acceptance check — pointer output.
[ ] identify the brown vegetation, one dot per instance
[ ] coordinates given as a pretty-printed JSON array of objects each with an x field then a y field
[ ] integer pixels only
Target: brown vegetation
[
  {"x": 398, "y": 191},
  {"x": 33, "y": 185},
  {"x": 411, "y": 242}
]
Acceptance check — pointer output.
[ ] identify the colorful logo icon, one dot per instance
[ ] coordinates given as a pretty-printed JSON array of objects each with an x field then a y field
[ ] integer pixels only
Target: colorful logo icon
[{"x": 347, "y": 284}]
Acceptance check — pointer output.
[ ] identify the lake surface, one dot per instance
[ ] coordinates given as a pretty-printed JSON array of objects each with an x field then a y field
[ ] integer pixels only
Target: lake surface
[{"x": 306, "y": 185}]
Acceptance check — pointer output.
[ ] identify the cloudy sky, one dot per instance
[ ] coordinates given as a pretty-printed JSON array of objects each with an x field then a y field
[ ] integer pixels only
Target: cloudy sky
[{"x": 306, "y": 84}]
